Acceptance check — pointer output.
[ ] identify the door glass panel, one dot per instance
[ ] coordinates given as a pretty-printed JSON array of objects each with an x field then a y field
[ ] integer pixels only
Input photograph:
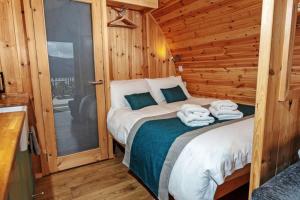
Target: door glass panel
[{"x": 71, "y": 61}]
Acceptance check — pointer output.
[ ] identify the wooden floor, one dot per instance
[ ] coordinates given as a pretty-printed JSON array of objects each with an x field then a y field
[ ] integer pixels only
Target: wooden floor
[{"x": 105, "y": 180}]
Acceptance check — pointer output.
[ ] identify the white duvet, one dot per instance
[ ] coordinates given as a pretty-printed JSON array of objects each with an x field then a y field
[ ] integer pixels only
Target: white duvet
[{"x": 206, "y": 161}]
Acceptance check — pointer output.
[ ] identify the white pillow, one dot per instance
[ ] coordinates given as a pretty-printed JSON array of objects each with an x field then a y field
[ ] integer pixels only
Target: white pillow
[
  {"x": 163, "y": 83},
  {"x": 119, "y": 89}
]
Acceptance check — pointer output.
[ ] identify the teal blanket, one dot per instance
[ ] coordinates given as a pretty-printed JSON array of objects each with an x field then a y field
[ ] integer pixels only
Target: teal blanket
[{"x": 152, "y": 142}]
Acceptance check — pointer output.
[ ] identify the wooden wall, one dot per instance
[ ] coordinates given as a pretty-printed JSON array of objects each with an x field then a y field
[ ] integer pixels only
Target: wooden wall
[
  {"x": 14, "y": 61},
  {"x": 126, "y": 48},
  {"x": 158, "y": 53},
  {"x": 140, "y": 52},
  {"x": 295, "y": 79},
  {"x": 218, "y": 43}
]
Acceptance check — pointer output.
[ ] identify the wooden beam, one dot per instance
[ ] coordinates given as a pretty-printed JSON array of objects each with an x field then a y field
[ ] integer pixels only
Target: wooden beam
[
  {"x": 145, "y": 39},
  {"x": 106, "y": 66},
  {"x": 134, "y": 4},
  {"x": 288, "y": 49},
  {"x": 275, "y": 121},
  {"x": 38, "y": 110}
]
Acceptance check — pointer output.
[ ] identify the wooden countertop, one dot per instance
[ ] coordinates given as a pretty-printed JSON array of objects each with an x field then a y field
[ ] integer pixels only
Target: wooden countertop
[
  {"x": 14, "y": 100},
  {"x": 11, "y": 127}
]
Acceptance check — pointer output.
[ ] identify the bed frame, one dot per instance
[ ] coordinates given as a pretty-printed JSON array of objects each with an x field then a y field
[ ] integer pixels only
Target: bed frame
[
  {"x": 237, "y": 179},
  {"x": 234, "y": 181}
]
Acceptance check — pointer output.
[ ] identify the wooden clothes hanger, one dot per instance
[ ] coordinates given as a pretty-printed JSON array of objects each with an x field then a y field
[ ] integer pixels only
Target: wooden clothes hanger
[{"x": 121, "y": 20}]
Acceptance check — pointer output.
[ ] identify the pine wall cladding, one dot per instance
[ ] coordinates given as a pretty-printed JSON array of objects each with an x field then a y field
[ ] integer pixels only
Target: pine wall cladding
[{"x": 218, "y": 45}]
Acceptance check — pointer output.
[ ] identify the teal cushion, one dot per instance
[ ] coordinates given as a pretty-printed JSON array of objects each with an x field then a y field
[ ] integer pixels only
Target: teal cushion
[
  {"x": 174, "y": 94},
  {"x": 138, "y": 101}
]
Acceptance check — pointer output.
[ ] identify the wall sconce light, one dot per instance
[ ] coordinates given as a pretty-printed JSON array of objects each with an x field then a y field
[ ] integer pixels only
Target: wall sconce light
[{"x": 176, "y": 58}]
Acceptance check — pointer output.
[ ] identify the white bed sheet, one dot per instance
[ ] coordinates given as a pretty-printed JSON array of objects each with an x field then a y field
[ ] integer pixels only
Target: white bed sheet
[
  {"x": 206, "y": 161},
  {"x": 121, "y": 120}
]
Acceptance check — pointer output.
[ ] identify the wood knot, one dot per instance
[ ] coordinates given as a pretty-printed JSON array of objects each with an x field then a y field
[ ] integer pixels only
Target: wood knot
[
  {"x": 271, "y": 72},
  {"x": 290, "y": 104}
]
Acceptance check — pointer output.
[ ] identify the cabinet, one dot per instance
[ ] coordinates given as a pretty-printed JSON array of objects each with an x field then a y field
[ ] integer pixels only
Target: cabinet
[{"x": 21, "y": 184}]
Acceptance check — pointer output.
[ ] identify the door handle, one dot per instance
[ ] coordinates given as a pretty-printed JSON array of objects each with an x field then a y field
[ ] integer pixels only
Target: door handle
[{"x": 96, "y": 82}]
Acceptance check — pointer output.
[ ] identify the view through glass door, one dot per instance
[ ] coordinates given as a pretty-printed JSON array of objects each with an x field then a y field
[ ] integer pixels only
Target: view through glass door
[{"x": 76, "y": 82}]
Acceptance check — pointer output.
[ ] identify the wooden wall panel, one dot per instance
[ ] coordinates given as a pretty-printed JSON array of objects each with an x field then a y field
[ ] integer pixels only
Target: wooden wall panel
[
  {"x": 295, "y": 79},
  {"x": 218, "y": 42},
  {"x": 138, "y": 53},
  {"x": 158, "y": 53},
  {"x": 22, "y": 44},
  {"x": 125, "y": 46},
  {"x": 14, "y": 61},
  {"x": 9, "y": 57}
]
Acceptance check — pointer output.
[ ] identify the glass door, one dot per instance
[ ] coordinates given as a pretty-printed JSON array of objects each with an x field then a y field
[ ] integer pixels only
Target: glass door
[{"x": 75, "y": 81}]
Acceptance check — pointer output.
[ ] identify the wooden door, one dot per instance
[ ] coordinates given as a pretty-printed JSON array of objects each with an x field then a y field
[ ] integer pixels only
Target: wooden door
[{"x": 70, "y": 58}]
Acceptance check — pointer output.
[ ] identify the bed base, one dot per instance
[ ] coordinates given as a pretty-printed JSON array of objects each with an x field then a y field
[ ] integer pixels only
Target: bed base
[{"x": 239, "y": 178}]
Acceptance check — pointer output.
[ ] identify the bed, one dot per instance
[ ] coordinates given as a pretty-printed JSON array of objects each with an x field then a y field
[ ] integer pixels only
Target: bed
[{"x": 212, "y": 162}]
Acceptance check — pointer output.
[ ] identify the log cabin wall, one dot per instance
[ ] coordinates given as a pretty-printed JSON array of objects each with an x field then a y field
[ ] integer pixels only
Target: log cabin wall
[
  {"x": 14, "y": 60},
  {"x": 138, "y": 53},
  {"x": 158, "y": 53},
  {"x": 218, "y": 43},
  {"x": 126, "y": 48},
  {"x": 295, "y": 76}
]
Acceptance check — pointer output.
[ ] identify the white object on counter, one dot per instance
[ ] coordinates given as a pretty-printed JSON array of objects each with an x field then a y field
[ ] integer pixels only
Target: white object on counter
[{"x": 24, "y": 135}]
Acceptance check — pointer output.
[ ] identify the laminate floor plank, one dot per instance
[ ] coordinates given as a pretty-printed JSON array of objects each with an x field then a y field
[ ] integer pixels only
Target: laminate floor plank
[{"x": 107, "y": 180}]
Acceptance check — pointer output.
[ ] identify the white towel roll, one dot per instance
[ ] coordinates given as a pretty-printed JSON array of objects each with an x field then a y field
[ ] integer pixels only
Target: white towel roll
[
  {"x": 194, "y": 120},
  {"x": 224, "y": 105},
  {"x": 226, "y": 114},
  {"x": 188, "y": 109}
]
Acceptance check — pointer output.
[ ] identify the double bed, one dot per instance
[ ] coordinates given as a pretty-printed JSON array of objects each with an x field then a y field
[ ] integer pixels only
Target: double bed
[{"x": 172, "y": 159}]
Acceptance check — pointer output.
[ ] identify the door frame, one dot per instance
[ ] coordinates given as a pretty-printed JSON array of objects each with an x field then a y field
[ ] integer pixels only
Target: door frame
[{"x": 101, "y": 63}]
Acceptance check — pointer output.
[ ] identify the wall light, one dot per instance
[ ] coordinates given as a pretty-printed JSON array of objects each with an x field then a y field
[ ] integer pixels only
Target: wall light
[{"x": 176, "y": 58}]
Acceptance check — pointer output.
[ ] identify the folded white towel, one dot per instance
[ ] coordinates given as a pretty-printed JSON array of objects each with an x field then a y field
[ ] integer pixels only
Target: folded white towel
[
  {"x": 224, "y": 105},
  {"x": 188, "y": 109},
  {"x": 193, "y": 120},
  {"x": 226, "y": 114}
]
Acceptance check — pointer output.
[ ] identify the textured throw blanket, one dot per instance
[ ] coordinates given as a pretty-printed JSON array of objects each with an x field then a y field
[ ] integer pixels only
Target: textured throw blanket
[{"x": 155, "y": 143}]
